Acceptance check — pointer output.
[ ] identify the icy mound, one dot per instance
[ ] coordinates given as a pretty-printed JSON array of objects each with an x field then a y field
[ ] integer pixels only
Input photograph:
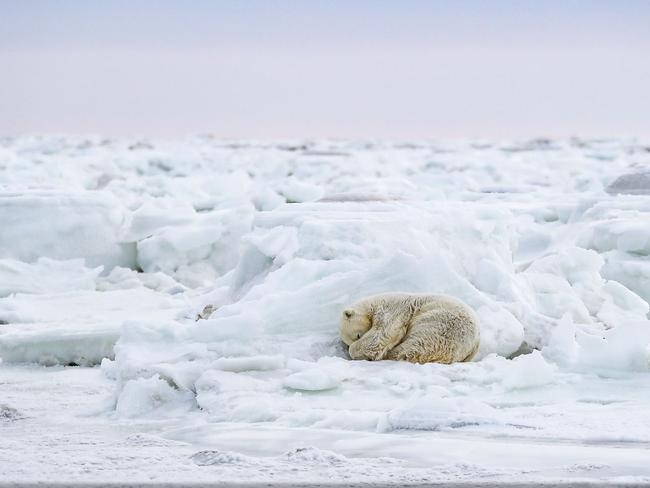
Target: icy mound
[
  {"x": 319, "y": 257},
  {"x": 303, "y": 263},
  {"x": 194, "y": 248}
]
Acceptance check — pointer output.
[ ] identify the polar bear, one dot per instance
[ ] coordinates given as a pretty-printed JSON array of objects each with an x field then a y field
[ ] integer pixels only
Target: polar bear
[{"x": 412, "y": 327}]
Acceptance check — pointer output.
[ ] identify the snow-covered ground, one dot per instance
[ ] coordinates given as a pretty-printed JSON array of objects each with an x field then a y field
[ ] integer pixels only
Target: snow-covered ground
[{"x": 110, "y": 250}]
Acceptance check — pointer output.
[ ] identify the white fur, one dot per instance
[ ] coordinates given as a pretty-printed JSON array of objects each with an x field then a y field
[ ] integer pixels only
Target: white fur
[{"x": 418, "y": 328}]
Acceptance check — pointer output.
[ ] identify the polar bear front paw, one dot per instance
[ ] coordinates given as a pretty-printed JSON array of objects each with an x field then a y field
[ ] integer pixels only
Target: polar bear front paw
[{"x": 359, "y": 351}]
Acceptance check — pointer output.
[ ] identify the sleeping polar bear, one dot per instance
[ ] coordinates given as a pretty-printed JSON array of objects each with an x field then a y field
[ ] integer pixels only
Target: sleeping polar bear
[{"x": 411, "y": 327}]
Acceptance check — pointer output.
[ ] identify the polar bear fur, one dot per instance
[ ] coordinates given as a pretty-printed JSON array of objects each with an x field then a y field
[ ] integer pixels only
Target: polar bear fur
[{"x": 410, "y": 327}]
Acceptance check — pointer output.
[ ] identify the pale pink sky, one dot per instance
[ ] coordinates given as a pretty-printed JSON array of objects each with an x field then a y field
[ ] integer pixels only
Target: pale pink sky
[{"x": 405, "y": 70}]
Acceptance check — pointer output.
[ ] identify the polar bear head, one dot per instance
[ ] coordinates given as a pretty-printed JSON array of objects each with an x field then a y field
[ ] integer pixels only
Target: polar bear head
[{"x": 353, "y": 325}]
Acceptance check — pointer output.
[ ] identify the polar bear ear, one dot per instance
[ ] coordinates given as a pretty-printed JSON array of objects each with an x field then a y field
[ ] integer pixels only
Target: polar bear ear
[{"x": 348, "y": 313}]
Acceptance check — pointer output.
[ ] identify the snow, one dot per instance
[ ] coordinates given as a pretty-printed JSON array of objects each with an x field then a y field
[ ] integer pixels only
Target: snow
[
  {"x": 111, "y": 249},
  {"x": 57, "y": 421}
]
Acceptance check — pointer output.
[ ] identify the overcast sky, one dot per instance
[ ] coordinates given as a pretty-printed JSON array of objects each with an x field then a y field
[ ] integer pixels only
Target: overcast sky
[{"x": 359, "y": 69}]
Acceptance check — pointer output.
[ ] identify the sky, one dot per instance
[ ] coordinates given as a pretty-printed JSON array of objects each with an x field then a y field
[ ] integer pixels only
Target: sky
[{"x": 402, "y": 69}]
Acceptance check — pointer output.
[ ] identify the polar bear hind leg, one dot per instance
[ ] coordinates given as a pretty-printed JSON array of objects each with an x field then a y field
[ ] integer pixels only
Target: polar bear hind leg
[{"x": 434, "y": 337}]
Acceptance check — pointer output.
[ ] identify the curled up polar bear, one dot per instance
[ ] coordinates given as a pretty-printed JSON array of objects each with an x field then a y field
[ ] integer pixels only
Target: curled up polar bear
[{"x": 411, "y": 327}]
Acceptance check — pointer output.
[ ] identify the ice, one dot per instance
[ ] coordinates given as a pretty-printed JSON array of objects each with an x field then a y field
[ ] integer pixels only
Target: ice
[
  {"x": 146, "y": 396},
  {"x": 631, "y": 235},
  {"x": 629, "y": 270},
  {"x": 78, "y": 327},
  {"x": 46, "y": 276},
  {"x": 637, "y": 183},
  {"x": 313, "y": 455},
  {"x": 529, "y": 371},
  {"x": 8, "y": 414},
  {"x": 295, "y": 190},
  {"x": 310, "y": 380},
  {"x": 111, "y": 250},
  {"x": 192, "y": 247},
  {"x": 255, "y": 363},
  {"x": 64, "y": 225},
  {"x": 210, "y": 458}
]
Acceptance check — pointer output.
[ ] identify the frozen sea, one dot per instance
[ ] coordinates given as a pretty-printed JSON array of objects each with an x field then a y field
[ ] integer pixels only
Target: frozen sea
[{"x": 113, "y": 370}]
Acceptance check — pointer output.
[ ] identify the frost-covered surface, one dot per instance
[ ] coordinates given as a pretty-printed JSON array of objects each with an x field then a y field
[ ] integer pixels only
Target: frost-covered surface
[{"x": 111, "y": 248}]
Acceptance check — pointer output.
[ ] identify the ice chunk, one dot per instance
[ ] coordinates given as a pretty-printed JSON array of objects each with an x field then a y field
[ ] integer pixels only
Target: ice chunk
[
  {"x": 310, "y": 380},
  {"x": 528, "y": 371},
  {"x": 632, "y": 184},
  {"x": 313, "y": 455},
  {"x": 197, "y": 248},
  {"x": 630, "y": 270},
  {"x": 433, "y": 413},
  {"x": 46, "y": 276},
  {"x": 65, "y": 225},
  {"x": 624, "y": 347},
  {"x": 501, "y": 332},
  {"x": 255, "y": 363},
  {"x": 9, "y": 414},
  {"x": 152, "y": 396},
  {"x": 211, "y": 458},
  {"x": 295, "y": 190},
  {"x": 76, "y": 327},
  {"x": 630, "y": 235},
  {"x": 562, "y": 347}
]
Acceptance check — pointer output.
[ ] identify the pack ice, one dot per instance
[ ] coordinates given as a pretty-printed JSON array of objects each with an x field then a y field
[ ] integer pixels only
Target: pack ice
[{"x": 110, "y": 249}]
